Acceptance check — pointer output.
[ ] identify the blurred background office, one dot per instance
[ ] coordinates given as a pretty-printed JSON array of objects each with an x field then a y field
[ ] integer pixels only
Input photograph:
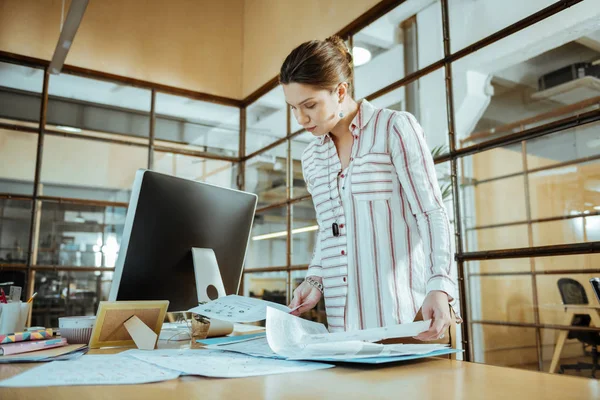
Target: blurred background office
[{"x": 508, "y": 94}]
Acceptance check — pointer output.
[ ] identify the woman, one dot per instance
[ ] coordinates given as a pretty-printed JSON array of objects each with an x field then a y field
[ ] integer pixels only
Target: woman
[{"x": 383, "y": 250}]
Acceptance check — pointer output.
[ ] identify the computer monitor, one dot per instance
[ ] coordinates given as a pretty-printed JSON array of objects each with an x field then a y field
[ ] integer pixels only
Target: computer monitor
[{"x": 166, "y": 218}]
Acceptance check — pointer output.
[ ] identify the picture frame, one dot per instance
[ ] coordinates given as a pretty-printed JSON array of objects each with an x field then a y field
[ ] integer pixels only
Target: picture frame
[{"x": 128, "y": 323}]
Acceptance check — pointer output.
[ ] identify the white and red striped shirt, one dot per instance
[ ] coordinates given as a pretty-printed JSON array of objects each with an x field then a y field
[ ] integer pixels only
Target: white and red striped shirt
[{"x": 394, "y": 243}]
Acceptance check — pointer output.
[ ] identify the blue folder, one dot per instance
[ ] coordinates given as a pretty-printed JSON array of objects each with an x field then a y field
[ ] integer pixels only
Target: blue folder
[{"x": 230, "y": 339}]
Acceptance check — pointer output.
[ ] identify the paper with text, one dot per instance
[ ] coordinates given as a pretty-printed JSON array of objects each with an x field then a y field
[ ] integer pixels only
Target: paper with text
[
  {"x": 259, "y": 347},
  {"x": 234, "y": 308},
  {"x": 92, "y": 370},
  {"x": 221, "y": 364},
  {"x": 296, "y": 338}
]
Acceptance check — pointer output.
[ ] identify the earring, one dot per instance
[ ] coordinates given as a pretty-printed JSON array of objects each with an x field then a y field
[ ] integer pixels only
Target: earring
[{"x": 341, "y": 114}]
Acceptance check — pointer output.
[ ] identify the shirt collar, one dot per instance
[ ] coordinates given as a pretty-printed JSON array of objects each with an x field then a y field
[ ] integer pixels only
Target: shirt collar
[{"x": 362, "y": 118}]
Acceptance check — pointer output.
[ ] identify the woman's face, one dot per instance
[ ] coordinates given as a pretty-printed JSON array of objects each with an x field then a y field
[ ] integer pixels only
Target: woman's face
[{"x": 314, "y": 108}]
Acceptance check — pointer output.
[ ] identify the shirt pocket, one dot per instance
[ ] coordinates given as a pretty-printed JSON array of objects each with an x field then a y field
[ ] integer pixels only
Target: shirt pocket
[{"x": 372, "y": 177}]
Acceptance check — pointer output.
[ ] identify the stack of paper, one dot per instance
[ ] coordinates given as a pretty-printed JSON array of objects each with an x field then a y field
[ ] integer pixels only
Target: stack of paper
[{"x": 294, "y": 338}]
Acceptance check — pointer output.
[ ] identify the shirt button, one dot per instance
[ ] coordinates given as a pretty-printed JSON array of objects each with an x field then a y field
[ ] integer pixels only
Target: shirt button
[
  {"x": 341, "y": 225},
  {"x": 355, "y": 136},
  {"x": 344, "y": 279},
  {"x": 342, "y": 175},
  {"x": 343, "y": 252}
]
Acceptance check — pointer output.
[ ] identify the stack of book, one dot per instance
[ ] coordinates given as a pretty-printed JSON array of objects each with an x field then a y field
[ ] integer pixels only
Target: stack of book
[{"x": 26, "y": 342}]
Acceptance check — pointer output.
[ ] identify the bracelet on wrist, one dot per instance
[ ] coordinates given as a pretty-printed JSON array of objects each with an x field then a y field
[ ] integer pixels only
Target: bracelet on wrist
[{"x": 314, "y": 283}]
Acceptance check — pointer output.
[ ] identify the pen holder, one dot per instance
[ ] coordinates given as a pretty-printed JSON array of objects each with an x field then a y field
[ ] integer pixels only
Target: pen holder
[
  {"x": 13, "y": 317},
  {"x": 199, "y": 328}
]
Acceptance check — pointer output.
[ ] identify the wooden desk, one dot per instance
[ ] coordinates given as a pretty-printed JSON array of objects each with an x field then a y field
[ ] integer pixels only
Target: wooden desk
[
  {"x": 570, "y": 311},
  {"x": 432, "y": 378}
]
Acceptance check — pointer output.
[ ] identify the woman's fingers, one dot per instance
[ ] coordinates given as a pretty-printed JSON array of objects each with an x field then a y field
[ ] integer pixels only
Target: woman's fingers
[
  {"x": 307, "y": 300},
  {"x": 436, "y": 329}
]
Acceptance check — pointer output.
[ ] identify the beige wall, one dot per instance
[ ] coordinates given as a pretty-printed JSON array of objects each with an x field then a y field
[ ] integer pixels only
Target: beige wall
[
  {"x": 272, "y": 28},
  {"x": 192, "y": 44},
  {"x": 228, "y": 48}
]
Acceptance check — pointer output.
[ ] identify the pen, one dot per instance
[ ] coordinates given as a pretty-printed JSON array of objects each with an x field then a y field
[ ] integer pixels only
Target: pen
[
  {"x": 6, "y": 283},
  {"x": 32, "y": 297},
  {"x": 3, "y": 297}
]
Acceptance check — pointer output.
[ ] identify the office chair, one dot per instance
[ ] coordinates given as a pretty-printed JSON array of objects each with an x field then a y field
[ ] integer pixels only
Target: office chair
[{"x": 573, "y": 292}]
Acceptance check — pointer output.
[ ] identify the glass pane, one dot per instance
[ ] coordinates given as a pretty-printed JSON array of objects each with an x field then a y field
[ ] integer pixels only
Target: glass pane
[
  {"x": 536, "y": 76},
  {"x": 266, "y": 120},
  {"x": 504, "y": 345},
  {"x": 270, "y": 286},
  {"x": 506, "y": 237},
  {"x": 80, "y": 235},
  {"x": 565, "y": 146},
  {"x": 402, "y": 41},
  {"x": 499, "y": 266},
  {"x": 88, "y": 169},
  {"x": 497, "y": 202},
  {"x": 15, "y": 224},
  {"x": 549, "y": 295},
  {"x": 17, "y": 161},
  {"x": 268, "y": 243},
  {"x": 304, "y": 232},
  {"x": 221, "y": 173},
  {"x": 501, "y": 298},
  {"x": 62, "y": 293},
  {"x": 16, "y": 276},
  {"x": 557, "y": 232},
  {"x": 299, "y": 144},
  {"x": 573, "y": 352},
  {"x": 182, "y": 122},
  {"x": 579, "y": 261},
  {"x": 492, "y": 198},
  {"x": 266, "y": 175},
  {"x": 426, "y": 100},
  {"x": 568, "y": 191},
  {"x": 86, "y": 106},
  {"x": 471, "y": 21},
  {"x": 20, "y": 94}
]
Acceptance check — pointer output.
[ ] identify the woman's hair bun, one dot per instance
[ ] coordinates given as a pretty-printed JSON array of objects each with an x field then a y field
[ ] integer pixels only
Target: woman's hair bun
[{"x": 339, "y": 43}]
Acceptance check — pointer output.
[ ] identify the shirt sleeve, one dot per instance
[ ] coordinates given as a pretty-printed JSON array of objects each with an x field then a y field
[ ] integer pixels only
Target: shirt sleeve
[
  {"x": 415, "y": 168},
  {"x": 314, "y": 268}
]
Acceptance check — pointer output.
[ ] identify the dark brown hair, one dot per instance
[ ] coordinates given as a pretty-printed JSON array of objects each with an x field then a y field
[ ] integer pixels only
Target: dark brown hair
[{"x": 320, "y": 63}]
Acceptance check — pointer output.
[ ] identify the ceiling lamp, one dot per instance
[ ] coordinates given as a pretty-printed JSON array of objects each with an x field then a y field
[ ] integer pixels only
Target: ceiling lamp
[{"x": 360, "y": 55}]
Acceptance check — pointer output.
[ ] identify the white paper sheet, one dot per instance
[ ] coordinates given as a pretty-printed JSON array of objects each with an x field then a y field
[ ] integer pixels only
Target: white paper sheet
[
  {"x": 221, "y": 364},
  {"x": 256, "y": 346},
  {"x": 259, "y": 347},
  {"x": 234, "y": 308},
  {"x": 295, "y": 338},
  {"x": 92, "y": 370}
]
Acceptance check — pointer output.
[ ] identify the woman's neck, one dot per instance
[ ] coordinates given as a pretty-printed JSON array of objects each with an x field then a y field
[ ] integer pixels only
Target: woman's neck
[{"x": 342, "y": 129}]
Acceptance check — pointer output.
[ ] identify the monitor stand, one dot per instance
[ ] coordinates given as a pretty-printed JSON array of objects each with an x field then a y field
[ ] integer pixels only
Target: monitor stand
[{"x": 209, "y": 283}]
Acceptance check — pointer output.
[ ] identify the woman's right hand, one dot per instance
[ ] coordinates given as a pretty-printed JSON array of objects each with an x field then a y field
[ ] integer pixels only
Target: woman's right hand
[{"x": 305, "y": 295}]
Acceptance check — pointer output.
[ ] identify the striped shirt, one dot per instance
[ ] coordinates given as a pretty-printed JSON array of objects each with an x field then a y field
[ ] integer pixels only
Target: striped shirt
[{"x": 394, "y": 242}]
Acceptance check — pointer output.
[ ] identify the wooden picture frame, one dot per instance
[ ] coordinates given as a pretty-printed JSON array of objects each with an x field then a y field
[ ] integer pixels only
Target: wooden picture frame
[{"x": 118, "y": 321}]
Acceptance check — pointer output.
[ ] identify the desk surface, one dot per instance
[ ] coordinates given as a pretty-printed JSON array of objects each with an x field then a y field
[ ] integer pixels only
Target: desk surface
[{"x": 430, "y": 378}]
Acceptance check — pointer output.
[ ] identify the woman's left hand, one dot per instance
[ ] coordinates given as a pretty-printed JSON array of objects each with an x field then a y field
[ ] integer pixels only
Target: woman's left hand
[{"x": 435, "y": 307}]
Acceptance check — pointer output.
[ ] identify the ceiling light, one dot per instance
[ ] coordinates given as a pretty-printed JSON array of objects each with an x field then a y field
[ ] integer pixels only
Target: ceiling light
[
  {"x": 68, "y": 129},
  {"x": 360, "y": 55},
  {"x": 284, "y": 233},
  {"x": 79, "y": 218}
]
